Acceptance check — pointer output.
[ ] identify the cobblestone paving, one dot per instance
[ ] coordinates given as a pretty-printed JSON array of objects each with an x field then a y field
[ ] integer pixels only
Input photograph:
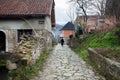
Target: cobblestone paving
[{"x": 64, "y": 64}]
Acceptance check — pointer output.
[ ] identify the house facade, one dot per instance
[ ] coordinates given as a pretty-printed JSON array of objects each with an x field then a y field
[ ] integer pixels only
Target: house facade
[
  {"x": 68, "y": 30},
  {"x": 30, "y": 17},
  {"x": 96, "y": 23},
  {"x": 67, "y": 33}
]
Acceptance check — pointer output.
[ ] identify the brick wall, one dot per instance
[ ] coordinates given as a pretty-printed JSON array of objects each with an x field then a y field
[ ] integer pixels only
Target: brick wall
[{"x": 67, "y": 33}]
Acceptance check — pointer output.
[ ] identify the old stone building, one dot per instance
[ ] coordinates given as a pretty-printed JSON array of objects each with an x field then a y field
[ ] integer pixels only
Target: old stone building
[{"x": 30, "y": 17}]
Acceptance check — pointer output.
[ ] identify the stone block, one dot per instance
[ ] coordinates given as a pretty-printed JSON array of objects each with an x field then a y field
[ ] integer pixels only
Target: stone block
[{"x": 10, "y": 65}]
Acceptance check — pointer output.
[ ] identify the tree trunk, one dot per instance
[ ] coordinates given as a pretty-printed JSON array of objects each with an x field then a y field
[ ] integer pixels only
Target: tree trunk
[{"x": 85, "y": 15}]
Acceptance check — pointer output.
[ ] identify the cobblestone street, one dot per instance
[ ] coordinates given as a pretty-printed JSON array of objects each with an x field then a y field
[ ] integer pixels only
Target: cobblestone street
[{"x": 64, "y": 64}]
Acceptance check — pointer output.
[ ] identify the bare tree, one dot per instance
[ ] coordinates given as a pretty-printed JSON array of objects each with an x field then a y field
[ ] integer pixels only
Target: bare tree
[
  {"x": 82, "y": 6},
  {"x": 100, "y": 6},
  {"x": 113, "y": 8},
  {"x": 71, "y": 13}
]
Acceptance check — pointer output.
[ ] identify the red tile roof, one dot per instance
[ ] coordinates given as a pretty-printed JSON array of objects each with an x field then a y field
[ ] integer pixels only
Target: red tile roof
[{"x": 25, "y": 7}]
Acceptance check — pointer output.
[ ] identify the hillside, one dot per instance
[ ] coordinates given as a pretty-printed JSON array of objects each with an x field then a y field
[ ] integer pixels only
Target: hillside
[{"x": 108, "y": 41}]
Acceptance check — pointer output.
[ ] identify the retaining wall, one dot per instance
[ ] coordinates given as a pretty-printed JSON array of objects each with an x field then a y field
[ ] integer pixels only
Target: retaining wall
[{"x": 108, "y": 68}]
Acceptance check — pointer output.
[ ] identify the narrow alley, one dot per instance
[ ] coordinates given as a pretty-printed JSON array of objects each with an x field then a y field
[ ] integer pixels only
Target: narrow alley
[{"x": 64, "y": 64}]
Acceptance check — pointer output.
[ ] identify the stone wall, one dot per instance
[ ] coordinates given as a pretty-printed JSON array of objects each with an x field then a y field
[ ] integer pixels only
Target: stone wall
[
  {"x": 31, "y": 49},
  {"x": 108, "y": 68},
  {"x": 45, "y": 38},
  {"x": 44, "y": 43}
]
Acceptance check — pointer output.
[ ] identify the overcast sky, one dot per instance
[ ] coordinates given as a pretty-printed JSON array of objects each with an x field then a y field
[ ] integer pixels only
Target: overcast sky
[{"x": 61, "y": 7}]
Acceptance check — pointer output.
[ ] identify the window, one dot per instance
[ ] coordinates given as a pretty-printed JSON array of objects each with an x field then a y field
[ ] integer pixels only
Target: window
[
  {"x": 101, "y": 20},
  {"x": 24, "y": 33},
  {"x": 41, "y": 21}
]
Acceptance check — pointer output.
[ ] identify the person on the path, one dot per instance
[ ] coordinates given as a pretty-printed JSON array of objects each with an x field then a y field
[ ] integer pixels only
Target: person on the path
[{"x": 62, "y": 41}]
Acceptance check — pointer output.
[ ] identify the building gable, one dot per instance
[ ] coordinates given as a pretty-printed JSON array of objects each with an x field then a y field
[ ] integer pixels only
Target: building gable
[{"x": 69, "y": 26}]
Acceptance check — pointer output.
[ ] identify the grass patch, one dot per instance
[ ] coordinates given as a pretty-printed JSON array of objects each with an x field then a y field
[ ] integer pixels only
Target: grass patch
[
  {"x": 25, "y": 72},
  {"x": 107, "y": 40},
  {"x": 82, "y": 53},
  {"x": 54, "y": 43}
]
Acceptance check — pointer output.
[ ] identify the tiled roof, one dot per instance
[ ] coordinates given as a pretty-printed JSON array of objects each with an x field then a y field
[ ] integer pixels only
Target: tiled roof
[
  {"x": 25, "y": 7},
  {"x": 68, "y": 26}
]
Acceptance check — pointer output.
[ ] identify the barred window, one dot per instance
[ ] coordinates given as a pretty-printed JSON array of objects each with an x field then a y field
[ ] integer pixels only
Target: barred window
[{"x": 24, "y": 32}]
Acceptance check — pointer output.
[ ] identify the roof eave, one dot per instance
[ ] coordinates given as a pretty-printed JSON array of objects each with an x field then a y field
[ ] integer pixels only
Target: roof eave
[
  {"x": 52, "y": 6},
  {"x": 21, "y": 15}
]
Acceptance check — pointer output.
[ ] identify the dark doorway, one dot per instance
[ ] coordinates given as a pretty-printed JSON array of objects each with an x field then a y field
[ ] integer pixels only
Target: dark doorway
[
  {"x": 3, "y": 73},
  {"x": 2, "y": 41}
]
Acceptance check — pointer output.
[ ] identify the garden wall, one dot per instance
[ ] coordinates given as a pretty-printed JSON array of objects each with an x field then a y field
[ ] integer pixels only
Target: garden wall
[{"x": 108, "y": 68}]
